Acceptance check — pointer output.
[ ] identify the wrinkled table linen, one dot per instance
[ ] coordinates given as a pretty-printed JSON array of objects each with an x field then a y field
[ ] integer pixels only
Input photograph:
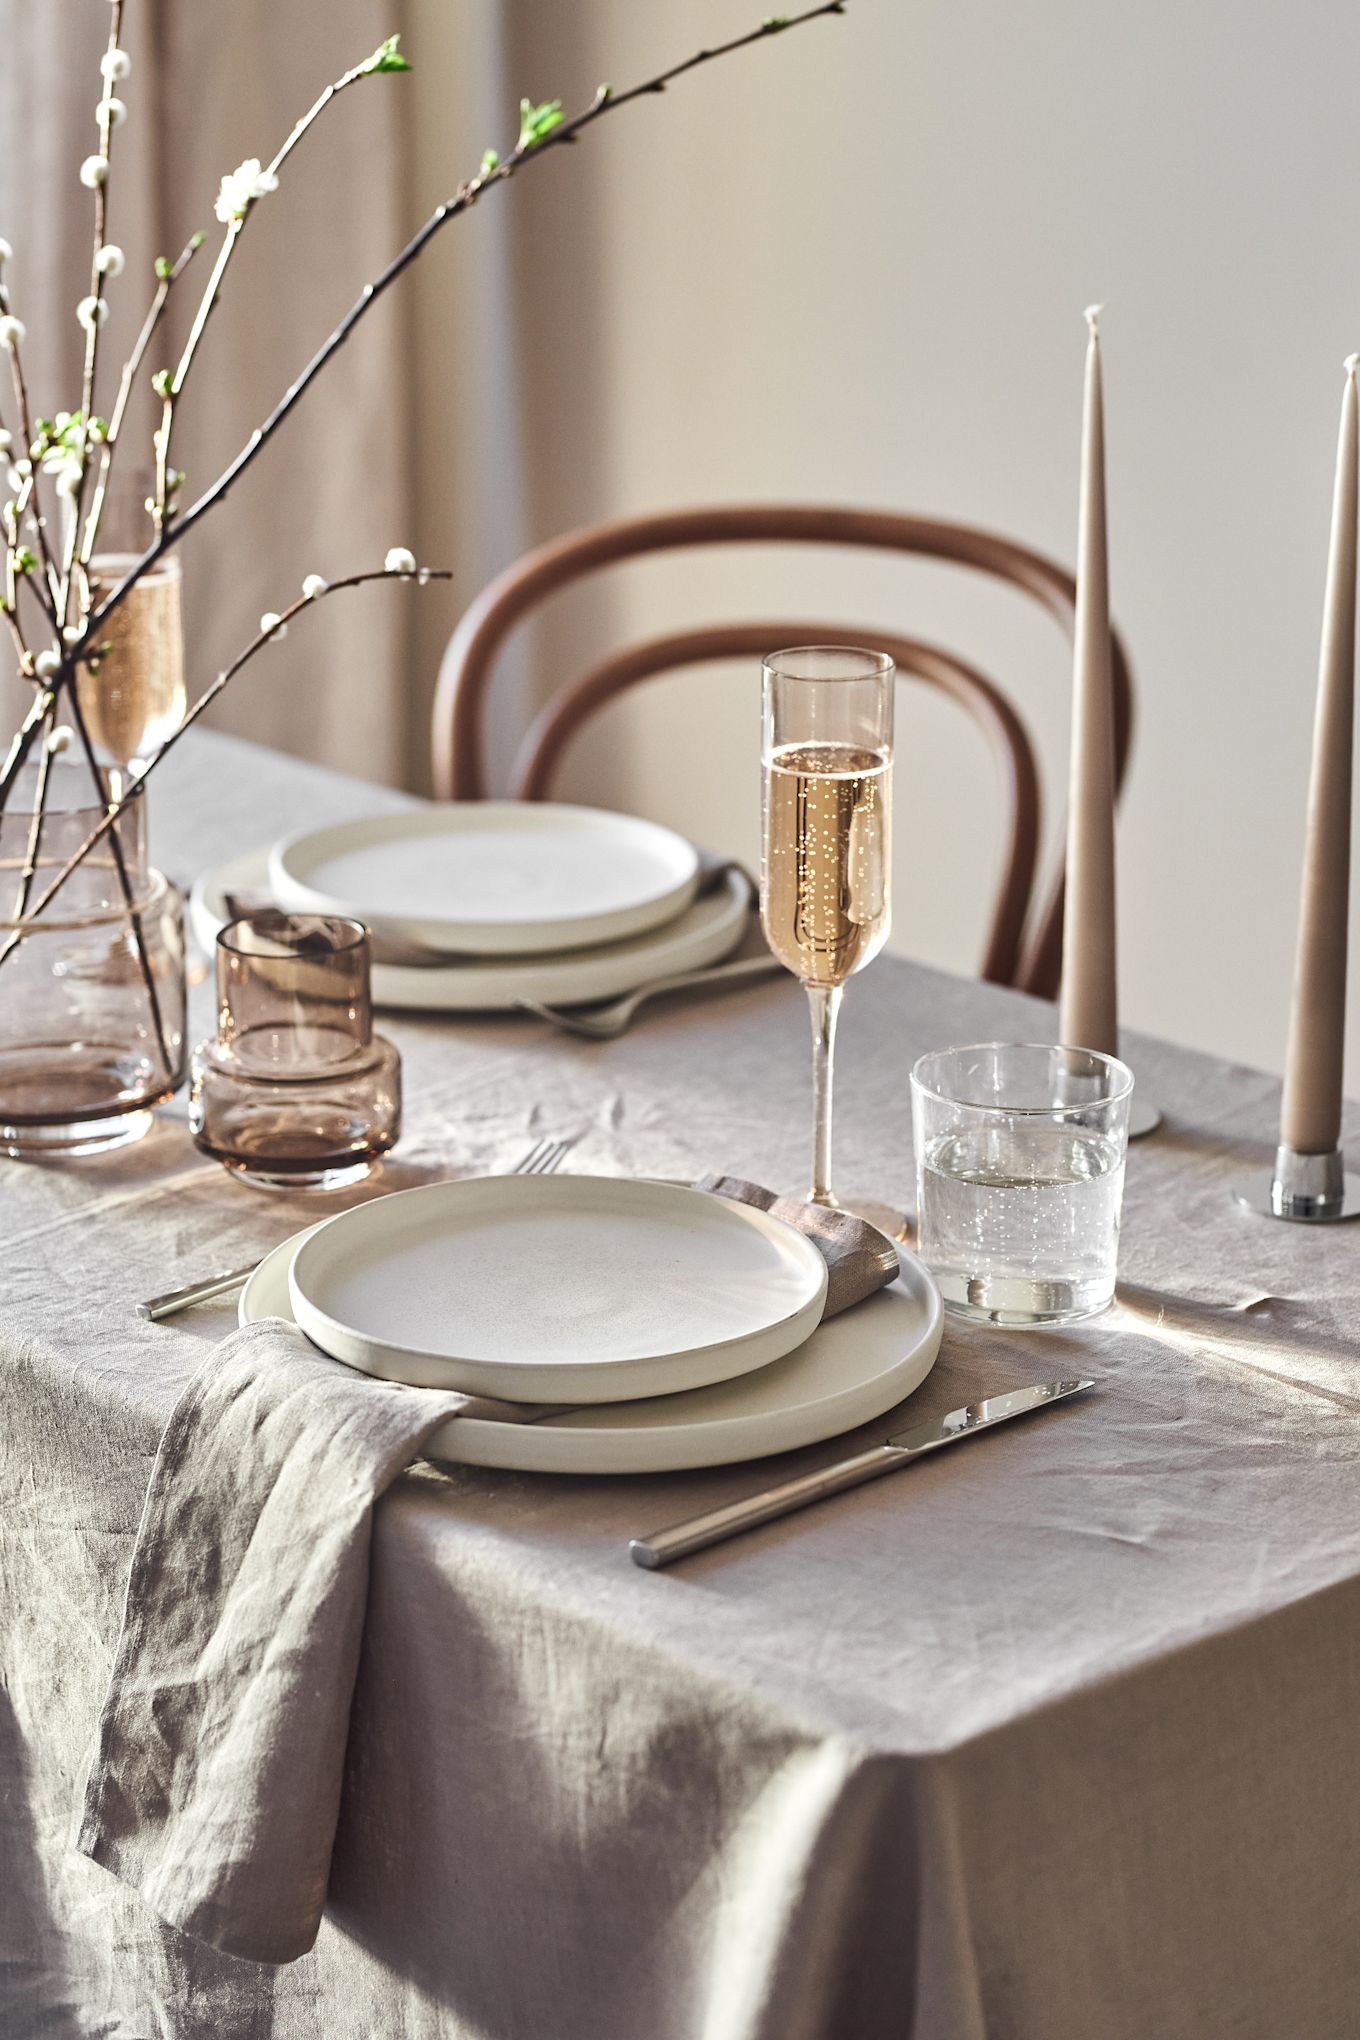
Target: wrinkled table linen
[
  {"x": 215, "y": 1784},
  {"x": 1052, "y": 1739}
]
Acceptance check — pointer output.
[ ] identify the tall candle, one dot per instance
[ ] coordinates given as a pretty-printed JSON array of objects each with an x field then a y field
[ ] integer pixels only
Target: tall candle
[
  {"x": 1310, "y": 1121},
  {"x": 1088, "y": 1014}
]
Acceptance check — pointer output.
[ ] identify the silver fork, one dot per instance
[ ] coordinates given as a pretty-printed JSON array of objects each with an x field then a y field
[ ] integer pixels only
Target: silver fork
[
  {"x": 542, "y": 1159},
  {"x": 604, "y": 1023}
]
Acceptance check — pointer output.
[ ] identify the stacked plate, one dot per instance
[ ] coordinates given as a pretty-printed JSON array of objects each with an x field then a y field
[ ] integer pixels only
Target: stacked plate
[
  {"x": 662, "y": 1326},
  {"x": 479, "y": 905}
]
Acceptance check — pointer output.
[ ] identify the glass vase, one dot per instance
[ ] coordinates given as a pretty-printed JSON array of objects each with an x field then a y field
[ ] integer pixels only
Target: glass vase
[{"x": 91, "y": 991}]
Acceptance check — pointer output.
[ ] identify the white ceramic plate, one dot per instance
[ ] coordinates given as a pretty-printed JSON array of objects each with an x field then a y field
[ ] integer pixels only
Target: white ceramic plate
[
  {"x": 557, "y": 1288},
  {"x": 849, "y": 1371},
  {"x": 707, "y": 932},
  {"x": 491, "y": 877}
]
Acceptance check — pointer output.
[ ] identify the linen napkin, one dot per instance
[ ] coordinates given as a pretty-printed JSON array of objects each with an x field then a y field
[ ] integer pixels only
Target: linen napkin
[
  {"x": 214, "y": 1787},
  {"x": 859, "y": 1258},
  {"x": 215, "y": 1783}
]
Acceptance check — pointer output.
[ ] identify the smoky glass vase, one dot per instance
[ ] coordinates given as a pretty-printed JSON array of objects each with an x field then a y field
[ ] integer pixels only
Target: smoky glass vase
[{"x": 92, "y": 986}]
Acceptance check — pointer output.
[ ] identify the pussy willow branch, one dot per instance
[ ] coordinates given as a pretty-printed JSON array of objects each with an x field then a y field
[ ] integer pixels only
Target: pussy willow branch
[
  {"x": 148, "y": 976},
  {"x": 35, "y": 828},
  {"x": 462, "y": 200},
  {"x": 48, "y": 598},
  {"x": 205, "y": 700},
  {"x": 71, "y": 538},
  {"x": 214, "y": 285},
  {"x": 130, "y": 368},
  {"x": 22, "y": 741},
  {"x": 466, "y": 196}
]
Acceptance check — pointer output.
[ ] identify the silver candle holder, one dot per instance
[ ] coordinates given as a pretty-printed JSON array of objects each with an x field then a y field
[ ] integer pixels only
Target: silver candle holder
[{"x": 1305, "y": 1189}]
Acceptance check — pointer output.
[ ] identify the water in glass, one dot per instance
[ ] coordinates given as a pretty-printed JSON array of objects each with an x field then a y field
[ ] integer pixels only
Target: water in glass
[{"x": 1020, "y": 1222}]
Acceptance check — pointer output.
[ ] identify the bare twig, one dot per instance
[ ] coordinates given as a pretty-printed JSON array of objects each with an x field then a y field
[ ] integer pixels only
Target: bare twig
[
  {"x": 49, "y": 596},
  {"x": 30, "y": 864},
  {"x": 210, "y": 295},
  {"x": 465, "y": 197},
  {"x": 205, "y": 700},
  {"x": 125, "y": 387},
  {"x": 124, "y": 884},
  {"x": 22, "y": 741},
  {"x": 70, "y": 539},
  {"x": 493, "y": 172}
]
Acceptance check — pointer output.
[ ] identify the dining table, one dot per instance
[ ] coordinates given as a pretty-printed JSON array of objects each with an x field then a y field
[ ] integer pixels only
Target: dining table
[{"x": 1055, "y": 1738}]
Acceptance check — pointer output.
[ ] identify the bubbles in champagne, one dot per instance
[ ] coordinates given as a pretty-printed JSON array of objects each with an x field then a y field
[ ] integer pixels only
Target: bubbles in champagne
[
  {"x": 137, "y": 698},
  {"x": 827, "y": 858}
]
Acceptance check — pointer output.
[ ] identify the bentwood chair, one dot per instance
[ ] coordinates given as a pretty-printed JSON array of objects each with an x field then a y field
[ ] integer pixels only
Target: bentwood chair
[{"x": 1024, "y": 943}]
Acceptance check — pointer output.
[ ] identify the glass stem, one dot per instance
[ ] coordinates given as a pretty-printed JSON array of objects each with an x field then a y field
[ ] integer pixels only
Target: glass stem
[{"x": 825, "y": 1004}]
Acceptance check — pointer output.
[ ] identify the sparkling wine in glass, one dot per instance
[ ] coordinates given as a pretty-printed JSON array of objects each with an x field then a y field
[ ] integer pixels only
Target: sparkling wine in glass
[
  {"x": 137, "y": 698},
  {"x": 825, "y": 893}
]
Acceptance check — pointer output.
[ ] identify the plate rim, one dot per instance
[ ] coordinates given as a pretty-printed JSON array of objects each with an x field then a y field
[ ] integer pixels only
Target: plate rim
[
  {"x": 479, "y": 987},
  {"x": 448, "y": 933},
  {"x": 582, "y": 1381},
  {"x": 482, "y": 1442}
]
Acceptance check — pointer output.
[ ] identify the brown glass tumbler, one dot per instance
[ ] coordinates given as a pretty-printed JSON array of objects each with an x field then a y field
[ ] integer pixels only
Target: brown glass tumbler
[{"x": 295, "y": 1091}]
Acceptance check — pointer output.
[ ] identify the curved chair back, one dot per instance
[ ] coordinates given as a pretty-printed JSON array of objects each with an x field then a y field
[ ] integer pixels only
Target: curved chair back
[{"x": 1035, "y": 958}]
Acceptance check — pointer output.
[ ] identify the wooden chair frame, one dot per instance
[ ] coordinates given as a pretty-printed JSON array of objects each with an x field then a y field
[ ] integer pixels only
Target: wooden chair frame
[{"x": 459, "y": 711}]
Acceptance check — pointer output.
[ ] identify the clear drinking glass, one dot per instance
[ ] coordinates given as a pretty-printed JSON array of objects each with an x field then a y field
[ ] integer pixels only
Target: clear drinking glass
[
  {"x": 825, "y": 877},
  {"x": 295, "y": 1091},
  {"x": 1020, "y": 1174},
  {"x": 91, "y": 1002}
]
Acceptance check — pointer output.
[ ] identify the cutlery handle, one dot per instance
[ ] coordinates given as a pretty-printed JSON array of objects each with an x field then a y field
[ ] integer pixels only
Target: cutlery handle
[
  {"x": 715, "y": 973},
  {"x": 663, "y": 1547},
  {"x": 176, "y": 1300}
]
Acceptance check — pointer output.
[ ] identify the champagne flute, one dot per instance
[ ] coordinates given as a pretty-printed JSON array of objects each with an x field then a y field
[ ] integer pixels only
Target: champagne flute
[
  {"x": 137, "y": 698},
  {"x": 825, "y": 878}
]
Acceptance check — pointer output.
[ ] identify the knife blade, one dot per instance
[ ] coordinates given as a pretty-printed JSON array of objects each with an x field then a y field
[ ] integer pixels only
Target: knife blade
[{"x": 663, "y": 1547}]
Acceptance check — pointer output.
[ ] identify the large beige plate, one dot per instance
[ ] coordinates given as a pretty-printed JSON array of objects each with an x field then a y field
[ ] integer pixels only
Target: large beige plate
[
  {"x": 491, "y": 877},
  {"x": 557, "y": 1288},
  {"x": 707, "y": 932},
  {"x": 850, "y": 1371}
]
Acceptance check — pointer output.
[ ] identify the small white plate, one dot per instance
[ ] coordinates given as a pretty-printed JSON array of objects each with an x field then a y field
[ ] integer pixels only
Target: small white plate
[
  {"x": 557, "y": 1288},
  {"x": 707, "y": 932},
  {"x": 491, "y": 877},
  {"x": 851, "y": 1370}
]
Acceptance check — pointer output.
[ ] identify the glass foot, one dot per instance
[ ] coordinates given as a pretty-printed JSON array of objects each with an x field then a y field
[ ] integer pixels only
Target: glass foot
[
  {"x": 73, "y": 1136},
  {"x": 297, "y": 1179},
  {"x": 888, "y": 1219},
  {"x": 1019, "y": 1301}
]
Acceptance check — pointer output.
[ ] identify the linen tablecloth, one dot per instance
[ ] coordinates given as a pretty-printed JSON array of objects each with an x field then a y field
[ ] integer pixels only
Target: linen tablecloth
[{"x": 1051, "y": 1740}]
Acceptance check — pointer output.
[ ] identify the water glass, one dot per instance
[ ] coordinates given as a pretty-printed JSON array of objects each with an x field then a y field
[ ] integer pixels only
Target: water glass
[{"x": 1020, "y": 1173}]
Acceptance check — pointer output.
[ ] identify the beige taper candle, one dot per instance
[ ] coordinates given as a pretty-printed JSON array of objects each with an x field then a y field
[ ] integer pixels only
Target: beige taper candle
[
  {"x": 1088, "y": 1013},
  {"x": 1310, "y": 1120}
]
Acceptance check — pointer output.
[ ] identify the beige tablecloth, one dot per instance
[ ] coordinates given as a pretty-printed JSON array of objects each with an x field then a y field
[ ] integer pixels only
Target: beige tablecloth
[{"x": 1053, "y": 1739}]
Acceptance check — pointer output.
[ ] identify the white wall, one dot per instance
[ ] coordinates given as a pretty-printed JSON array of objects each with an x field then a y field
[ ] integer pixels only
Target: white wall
[{"x": 851, "y": 265}]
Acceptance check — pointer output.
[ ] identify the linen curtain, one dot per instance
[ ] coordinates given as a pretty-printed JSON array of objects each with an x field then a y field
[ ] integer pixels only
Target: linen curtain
[{"x": 391, "y": 447}]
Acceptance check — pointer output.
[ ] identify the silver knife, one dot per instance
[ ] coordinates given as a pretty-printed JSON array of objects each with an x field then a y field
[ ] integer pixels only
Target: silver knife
[{"x": 665, "y": 1546}]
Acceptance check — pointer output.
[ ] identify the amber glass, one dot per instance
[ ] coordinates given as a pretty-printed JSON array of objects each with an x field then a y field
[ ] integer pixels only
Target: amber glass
[
  {"x": 91, "y": 998},
  {"x": 295, "y": 1091}
]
